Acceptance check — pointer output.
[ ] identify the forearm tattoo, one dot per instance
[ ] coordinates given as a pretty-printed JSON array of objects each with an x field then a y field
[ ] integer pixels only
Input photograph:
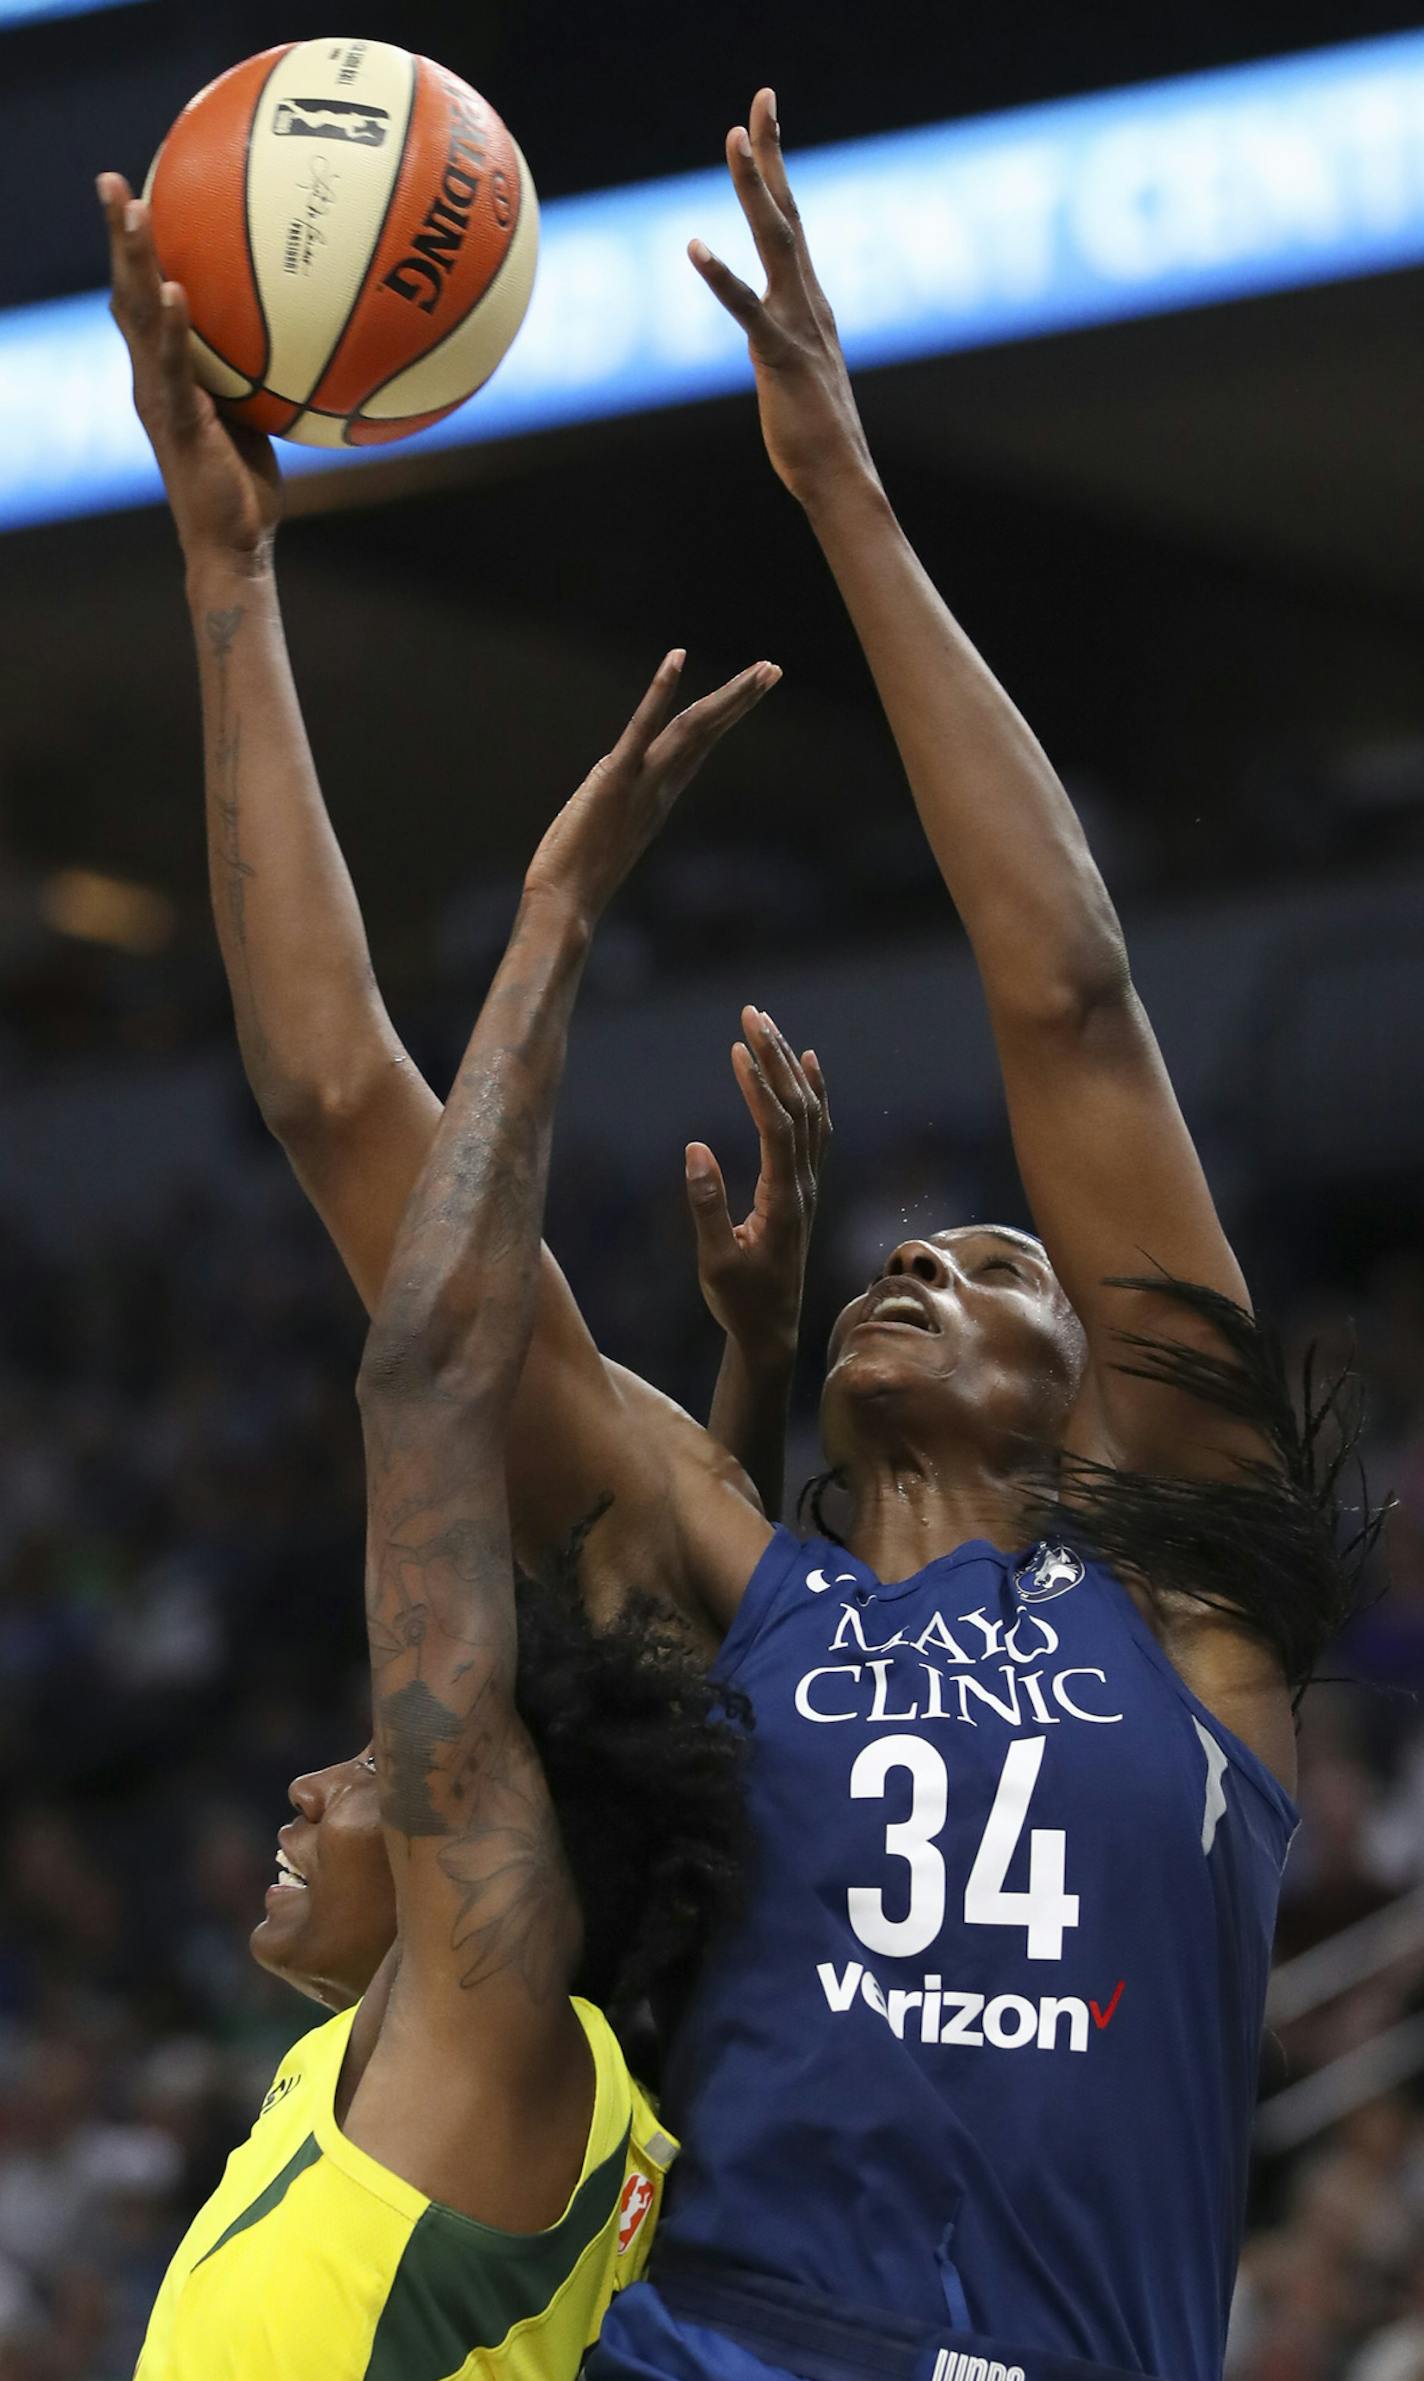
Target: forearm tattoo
[
  {"x": 452, "y": 1755},
  {"x": 454, "y": 1764}
]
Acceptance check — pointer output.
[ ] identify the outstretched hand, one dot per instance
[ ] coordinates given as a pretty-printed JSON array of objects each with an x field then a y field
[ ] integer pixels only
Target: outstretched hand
[
  {"x": 809, "y": 419},
  {"x": 608, "y": 824},
  {"x": 752, "y": 1273},
  {"x": 222, "y": 481}
]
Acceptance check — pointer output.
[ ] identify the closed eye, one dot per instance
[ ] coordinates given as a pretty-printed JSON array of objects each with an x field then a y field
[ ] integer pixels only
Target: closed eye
[{"x": 1000, "y": 1265}]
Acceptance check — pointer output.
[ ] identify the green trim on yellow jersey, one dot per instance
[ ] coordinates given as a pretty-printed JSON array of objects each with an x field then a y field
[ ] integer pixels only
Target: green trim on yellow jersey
[
  {"x": 313, "y": 2258},
  {"x": 273, "y": 2196},
  {"x": 451, "y": 2296}
]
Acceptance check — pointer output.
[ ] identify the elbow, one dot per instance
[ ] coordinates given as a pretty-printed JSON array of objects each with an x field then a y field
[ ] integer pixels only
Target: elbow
[
  {"x": 1071, "y": 1009},
  {"x": 397, "y": 1365},
  {"x": 416, "y": 1351},
  {"x": 1077, "y": 978},
  {"x": 1083, "y": 998},
  {"x": 408, "y": 1348},
  {"x": 303, "y": 1110}
]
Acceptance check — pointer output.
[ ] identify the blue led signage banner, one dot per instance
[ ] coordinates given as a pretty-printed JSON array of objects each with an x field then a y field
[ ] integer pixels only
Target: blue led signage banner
[
  {"x": 1216, "y": 186},
  {"x": 26, "y": 12}
]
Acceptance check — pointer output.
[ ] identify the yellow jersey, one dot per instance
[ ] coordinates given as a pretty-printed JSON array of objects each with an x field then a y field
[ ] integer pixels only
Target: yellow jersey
[{"x": 312, "y": 2262}]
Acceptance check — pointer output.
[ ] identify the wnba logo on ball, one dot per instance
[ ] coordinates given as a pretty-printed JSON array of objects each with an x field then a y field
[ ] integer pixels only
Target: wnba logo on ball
[
  {"x": 303, "y": 194},
  {"x": 330, "y": 120}
]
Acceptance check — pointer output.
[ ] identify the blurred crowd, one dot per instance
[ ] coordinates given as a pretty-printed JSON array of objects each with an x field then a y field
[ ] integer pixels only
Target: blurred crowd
[{"x": 180, "y": 1559}]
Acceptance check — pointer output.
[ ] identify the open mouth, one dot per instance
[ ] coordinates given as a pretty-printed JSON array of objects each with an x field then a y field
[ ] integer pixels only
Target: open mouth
[
  {"x": 902, "y": 1306},
  {"x": 288, "y": 1873}
]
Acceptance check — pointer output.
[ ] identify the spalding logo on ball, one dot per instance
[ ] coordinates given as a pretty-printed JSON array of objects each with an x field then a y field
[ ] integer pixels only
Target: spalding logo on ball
[{"x": 356, "y": 231}]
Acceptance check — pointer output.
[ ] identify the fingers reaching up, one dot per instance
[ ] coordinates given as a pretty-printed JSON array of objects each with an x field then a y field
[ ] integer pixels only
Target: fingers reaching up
[
  {"x": 786, "y": 1097},
  {"x": 133, "y": 274},
  {"x": 153, "y": 315},
  {"x": 222, "y": 482},
  {"x": 808, "y": 414},
  {"x": 626, "y": 797},
  {"x": 752, "y": 1273},
  {"x": 681, "y": 746}
]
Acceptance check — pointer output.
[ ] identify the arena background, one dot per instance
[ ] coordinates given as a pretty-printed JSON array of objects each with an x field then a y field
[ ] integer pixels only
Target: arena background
[{"x": 1191, "y": 546}]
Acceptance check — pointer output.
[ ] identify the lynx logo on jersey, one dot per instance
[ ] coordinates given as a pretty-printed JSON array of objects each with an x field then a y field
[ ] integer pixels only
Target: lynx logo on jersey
[{"x": 1050, "y": 1572}]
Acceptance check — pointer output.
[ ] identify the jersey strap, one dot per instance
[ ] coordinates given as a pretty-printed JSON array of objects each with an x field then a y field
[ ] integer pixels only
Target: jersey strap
[
  {"x": 823, "y": 2339},
  {"x": 782, "y": 1554}
]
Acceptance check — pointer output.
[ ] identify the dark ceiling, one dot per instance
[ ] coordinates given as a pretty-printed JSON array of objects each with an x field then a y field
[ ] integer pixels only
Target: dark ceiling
[
  {"x": 611, "y": 94},
  {"x": 1191, "y": 545}
]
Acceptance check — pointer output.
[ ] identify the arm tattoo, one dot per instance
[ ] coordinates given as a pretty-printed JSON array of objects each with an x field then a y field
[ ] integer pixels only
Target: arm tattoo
[
  {"x": 460, "y": 1771},
  {"x": 509, "y": 1915},
  {"x": 457, "y": 1770},
  {"x": 414, "y": 1733},
  {"x": 410, "y": 1587},
  {"x": 222, "y": 628}
]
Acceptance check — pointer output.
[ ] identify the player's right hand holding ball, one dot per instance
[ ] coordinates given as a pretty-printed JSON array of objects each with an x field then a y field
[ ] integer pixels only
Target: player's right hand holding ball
[
  {"x": 223, "y": 484},
  {"x": 809, "y": 418}
]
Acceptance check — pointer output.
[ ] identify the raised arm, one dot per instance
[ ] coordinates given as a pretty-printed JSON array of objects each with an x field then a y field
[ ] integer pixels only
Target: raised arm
[
  {"x": 1108, "y": 1165},
  {"x": 479, "y": 2042},
  {"x": 324, "y": 1061},
  {"x": 751, "y": 1273}
]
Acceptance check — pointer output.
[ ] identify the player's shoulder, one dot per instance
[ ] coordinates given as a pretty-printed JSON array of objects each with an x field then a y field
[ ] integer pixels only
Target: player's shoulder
[
  {"x": 624, "y": 2113},
  {"x": 628, "y": 2153}
]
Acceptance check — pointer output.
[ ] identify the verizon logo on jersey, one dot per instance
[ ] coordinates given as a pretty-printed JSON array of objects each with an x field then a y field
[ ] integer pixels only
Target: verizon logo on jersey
[{"x": 969, "y": 2020}]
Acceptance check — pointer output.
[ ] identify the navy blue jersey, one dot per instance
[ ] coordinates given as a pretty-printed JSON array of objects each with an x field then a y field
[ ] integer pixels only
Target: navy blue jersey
[{"x": 983, "y": 2048}]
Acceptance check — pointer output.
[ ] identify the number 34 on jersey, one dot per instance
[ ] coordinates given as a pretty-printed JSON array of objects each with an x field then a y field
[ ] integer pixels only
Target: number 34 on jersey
[{"x": 1043, "y": 1909}]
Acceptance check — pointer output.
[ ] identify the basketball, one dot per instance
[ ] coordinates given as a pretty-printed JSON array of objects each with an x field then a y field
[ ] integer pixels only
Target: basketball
[{"x": 357, "y": 233}]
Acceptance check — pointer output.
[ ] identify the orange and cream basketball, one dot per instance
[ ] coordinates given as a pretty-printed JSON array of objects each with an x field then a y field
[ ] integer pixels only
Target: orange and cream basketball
[{"x": 356, "y": 231}]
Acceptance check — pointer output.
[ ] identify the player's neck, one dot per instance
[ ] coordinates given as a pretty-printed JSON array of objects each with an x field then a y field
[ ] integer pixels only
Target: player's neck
[{"x": 905, "y": 1515}]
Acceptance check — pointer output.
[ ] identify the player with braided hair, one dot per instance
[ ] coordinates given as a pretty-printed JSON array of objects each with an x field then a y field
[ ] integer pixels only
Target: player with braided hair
[{"x": 968, "y": 2091}]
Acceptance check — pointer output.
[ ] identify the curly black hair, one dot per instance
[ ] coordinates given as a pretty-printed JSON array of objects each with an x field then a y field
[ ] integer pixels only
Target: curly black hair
[{"x": 644, "y": 1755}]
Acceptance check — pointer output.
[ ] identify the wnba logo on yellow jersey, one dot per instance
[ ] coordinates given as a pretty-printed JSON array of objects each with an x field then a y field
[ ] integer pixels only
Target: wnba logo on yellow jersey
[{"x": 633, "y": 2208}]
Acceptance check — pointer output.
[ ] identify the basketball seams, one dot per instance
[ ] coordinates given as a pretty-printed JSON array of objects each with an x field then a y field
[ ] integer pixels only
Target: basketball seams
[
  {"x": 336, "y": 428},
  {"x": 299, "y": 378},
  {"x": 261, "y": 381},
  {"x": 229, "y": 366},
  {"x": 452, "y": 331},
  {"x": 250, "y": 411},
  {"x": 369, "y": 356},
  {"x": 196, "y": 187},
  {"x": 362, "y": 287},
  {"x": 400, "y": 425}
]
